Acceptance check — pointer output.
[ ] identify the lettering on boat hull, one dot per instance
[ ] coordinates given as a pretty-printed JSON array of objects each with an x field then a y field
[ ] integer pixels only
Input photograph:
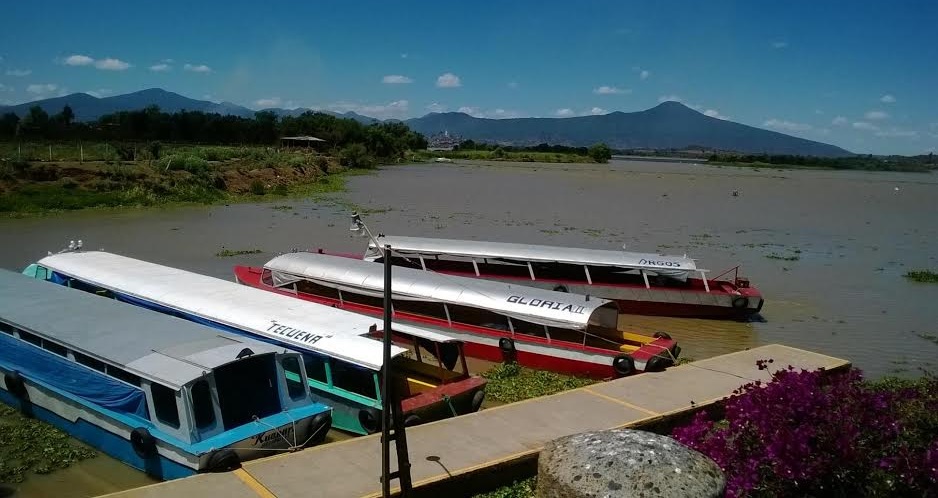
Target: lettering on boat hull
[{"x": 539, "y": 303}]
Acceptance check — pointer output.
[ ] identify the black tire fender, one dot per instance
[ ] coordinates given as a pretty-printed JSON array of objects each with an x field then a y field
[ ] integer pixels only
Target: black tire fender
[
  {"x": 561, "y": 288},
  {"x": 477, "y": 400},
  {"x": 15, "y": 384},
  {"x": 662, "y": 335},
  {"x": 740, "y": 302},
  {"x": 507, "y": 345},
  {"x": 370, "y": 419},
  {"x": 657, "y": 364},
  {"x": 411, "y": 420},
  {"x": 223, "y": 461},
  {"x": 318, "y": 428},
  {"x": 623, "y": 364},
  {"x": 143, "y": 443}
]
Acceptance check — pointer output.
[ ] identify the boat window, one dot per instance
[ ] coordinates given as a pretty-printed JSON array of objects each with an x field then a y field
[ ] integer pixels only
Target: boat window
[
  {"x": 294, "y": 377},
  {"x": 307, "y": 287},
  {"x": 431, "y": 309},
  {"x": 202, "y": 404},
  {"x": 478, "y": 317},
  {"x": 89, "y": 362},
  {"x": 31, "y": 338},
  {"x": 267, "y": 278},
  {"x": 528, "y": 328},
  {"x": 55, "y": 348},
  {"x": 164, "y": 405},
  {"x": 316, "y": 368},
  {"x": 353, "y": 379},
  {"x": 351, "y": 297},
  {"x": 121, "y": 374},
  {"x": 6, "y": 328}
]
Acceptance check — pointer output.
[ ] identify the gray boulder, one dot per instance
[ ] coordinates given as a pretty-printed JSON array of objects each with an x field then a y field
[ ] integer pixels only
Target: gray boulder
[{"x": 624, "y": 462}]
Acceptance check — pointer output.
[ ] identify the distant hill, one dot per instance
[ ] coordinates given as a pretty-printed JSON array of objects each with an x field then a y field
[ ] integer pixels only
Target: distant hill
[{"x": 670, "y": 125}]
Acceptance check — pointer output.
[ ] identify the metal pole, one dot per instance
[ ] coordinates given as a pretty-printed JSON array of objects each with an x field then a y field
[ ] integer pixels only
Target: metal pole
[{"x": 386, "y": 385}]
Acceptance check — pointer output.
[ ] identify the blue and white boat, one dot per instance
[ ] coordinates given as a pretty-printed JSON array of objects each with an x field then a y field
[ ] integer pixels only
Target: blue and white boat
[
  {"x": 161, "y": 394},
  {"x": 343, "y": 359}
]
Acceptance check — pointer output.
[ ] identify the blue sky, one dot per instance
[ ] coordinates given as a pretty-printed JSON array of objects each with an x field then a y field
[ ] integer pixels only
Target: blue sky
[{"x": 861, "y": 74}]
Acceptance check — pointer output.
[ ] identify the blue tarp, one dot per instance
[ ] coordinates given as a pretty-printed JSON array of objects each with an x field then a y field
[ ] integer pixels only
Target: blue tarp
[{"x": 66, "y": 375}]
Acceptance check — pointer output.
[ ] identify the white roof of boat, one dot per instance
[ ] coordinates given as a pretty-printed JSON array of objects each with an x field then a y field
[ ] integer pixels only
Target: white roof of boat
[
  {"x": 157, "y": 347},
  {"x": 530, "y": 252},
  {"x": 565, "y": 310},
  {"x": 283, "y": 318}
]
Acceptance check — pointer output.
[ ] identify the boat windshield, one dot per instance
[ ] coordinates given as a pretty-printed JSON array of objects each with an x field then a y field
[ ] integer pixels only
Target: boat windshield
[{"x": 248, "y": 388}]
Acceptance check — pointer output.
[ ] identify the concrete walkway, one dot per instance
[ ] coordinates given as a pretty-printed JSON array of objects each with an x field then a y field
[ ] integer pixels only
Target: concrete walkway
[{"x": 470, "y": 443}]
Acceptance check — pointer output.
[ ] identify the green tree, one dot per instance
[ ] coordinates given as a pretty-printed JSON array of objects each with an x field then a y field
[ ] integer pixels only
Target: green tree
[
  {"x": 36, "y": 121},
  {"x": 67, "y": 115},
  {"x": 600, "y": 153},
  {"x": 8, "y": 124},
  {"x": 356, "y": 156}
]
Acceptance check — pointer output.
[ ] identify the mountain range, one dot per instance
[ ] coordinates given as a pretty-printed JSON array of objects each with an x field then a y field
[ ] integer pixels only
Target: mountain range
[{"x": 669, "y": 125}]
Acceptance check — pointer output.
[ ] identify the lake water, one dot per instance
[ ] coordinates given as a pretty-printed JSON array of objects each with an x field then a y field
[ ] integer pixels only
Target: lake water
[{"x": 854, "y": 235}]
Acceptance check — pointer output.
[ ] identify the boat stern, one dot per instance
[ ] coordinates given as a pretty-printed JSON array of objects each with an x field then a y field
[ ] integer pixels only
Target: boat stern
[
  {"x": 446, "y": 400},
  {"x": 656, "y": 355}
]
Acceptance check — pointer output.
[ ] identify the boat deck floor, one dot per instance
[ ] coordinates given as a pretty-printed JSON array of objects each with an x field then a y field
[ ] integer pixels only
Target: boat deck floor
[{"x": 493, "y": 437}]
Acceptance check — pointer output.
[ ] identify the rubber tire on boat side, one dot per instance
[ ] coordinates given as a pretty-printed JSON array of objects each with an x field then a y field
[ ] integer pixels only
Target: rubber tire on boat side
[
  {"x": 318, "y": 428},
  {"x": 657, "y": 364},
  {"x": 14, "y": 383},
  {"x": 623, "y": 364},
  {"x": 411, "y": 420},
  {"x": 740, "y": 302},
  {"x": 477, "y": 400},
  {"x": 223, "y": 461},
  {"x": 561, "y": 288},
  {"x": 143, "y": 443},
  {"x": 370, "y": 419},
  {"x": 662, "y": 335}
]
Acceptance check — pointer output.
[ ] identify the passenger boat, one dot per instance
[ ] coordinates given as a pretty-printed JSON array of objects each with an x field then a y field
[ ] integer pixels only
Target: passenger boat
[
  {"x": 647, "y": 284},
  {"x": 166, "y": 396},
  {"x": 342, "y": 357},
  {"x": 543, "y": 329}
]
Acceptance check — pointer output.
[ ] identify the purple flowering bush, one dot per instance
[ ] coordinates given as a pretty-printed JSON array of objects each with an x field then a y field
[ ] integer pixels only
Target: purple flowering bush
[{"x": 824, "y": 434}]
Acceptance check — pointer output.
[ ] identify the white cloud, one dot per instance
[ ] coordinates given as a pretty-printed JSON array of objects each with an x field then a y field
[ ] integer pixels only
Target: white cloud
[
  {"x": 78, "y": 60},
  {"x": 610, "y": 90},
  {"x": 564, "y": 113},
  {"x": 101, "y": 92},
  {"x": 598, "y": 110},
  {"x": 168, "y": 61},
  {"x": 713, "y": 113},
  {"x": 160, "y": 68},
  {"x": 644, "y": 74},
  {"x": 404, "y": 56},
  {"x": 780, "y": 124},
  {"x": 267, "y": 102},
  {"x": 669, "y": 98},
  {"x": 110, "y": 64},
  {"x": 779, "y": 44},
  {"x": 887, "y": 99},
  {"x": 435, "y": 107},
  {"x": 896, "y": 132},
  {"x": 876, "y": 115},
  {"x": 863, "y": 125},
  {"x": 397, "y": 109},
  {"x": 472, "y": 111},
  {"x": 5, "y": 88},
  {"x": 448, "y": 80},
  {"x": 18, "y": 72},
  {"x": 41, "y": 88},
  {"x": 197, "y": 68},
  {"x": 512, "y": 84},
  {"x": 839, "y": 121},
  {"x": 396, "y": 79},
  {"x": 503, "y": 114}
]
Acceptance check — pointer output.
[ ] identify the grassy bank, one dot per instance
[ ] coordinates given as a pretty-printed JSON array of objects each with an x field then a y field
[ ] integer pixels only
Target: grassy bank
[
  {"x": 509, "y": 383},
  {"x": 177, "y": 174}
]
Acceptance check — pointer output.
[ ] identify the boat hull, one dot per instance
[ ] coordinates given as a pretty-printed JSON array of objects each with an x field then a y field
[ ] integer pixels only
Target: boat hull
[{"x": 486, "y": 343}]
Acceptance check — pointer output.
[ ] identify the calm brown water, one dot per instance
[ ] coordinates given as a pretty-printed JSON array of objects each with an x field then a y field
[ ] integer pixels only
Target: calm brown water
[{"x": 853, "y": 233}]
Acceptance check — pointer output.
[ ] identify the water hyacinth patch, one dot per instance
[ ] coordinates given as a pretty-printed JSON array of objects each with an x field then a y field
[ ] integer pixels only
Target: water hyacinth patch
[{"x": 824, "y": 434}]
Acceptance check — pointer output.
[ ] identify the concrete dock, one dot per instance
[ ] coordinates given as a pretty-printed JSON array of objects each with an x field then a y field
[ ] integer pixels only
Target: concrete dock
[{"x": 494, "y": 438}]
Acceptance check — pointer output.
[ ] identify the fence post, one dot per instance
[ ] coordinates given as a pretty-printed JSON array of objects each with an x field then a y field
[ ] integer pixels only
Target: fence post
[
  {"x": 81, "y": 153},
  {"x": 19, "y": 153},
  {"x": 50, "y": 152}
]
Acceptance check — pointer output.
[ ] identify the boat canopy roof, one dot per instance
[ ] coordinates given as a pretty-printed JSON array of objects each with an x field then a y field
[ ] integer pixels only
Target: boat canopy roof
[
  {"x": 545, "y": 307},
  {"x": 300, "y": 324},
  {"x": 157, "y": 347},
  {"x": 524, "y": 253}
]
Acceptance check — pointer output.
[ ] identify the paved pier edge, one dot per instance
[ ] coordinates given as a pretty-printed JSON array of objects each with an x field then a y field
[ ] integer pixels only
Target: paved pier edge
[{"x": 352, "y": 467}]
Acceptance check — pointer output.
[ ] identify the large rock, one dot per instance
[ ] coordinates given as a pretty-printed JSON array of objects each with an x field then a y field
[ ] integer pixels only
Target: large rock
[{"x": 625, "y": 462}]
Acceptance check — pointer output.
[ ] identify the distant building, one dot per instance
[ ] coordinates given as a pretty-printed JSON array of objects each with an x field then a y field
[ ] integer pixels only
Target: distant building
[{"x": 443, "y": 141}]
